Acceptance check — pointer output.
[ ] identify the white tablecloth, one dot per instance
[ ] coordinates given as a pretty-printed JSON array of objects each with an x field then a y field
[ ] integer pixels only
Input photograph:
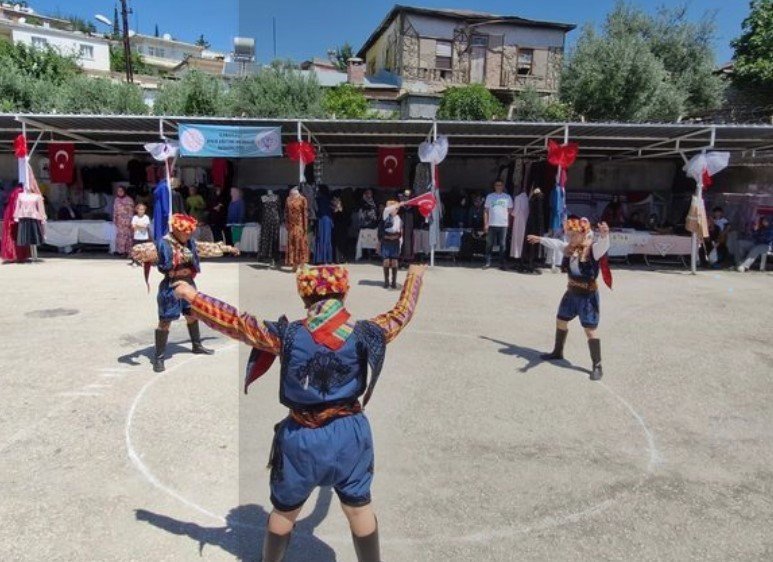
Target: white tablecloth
[
  {"x": 367, "y": 240},
  {"x": 622, "y": 244},
  {"x": 70, "y": 233},
  {"x": 250, "y": 242}
]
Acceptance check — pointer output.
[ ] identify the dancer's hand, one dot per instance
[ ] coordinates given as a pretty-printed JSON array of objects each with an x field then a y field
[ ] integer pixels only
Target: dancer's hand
[
  {"x": 603, "y": 229},
  {"x": 184, "y": 291},
  {"x": 532, "y": 239},
  {"x": 417, "y": 269}
]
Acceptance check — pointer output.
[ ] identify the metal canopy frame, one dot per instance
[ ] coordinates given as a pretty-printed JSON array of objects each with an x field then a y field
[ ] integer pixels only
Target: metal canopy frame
[{"x": 125, "y": 135}]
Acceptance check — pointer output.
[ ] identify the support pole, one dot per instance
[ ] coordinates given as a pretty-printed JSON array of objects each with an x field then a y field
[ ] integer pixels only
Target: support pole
[
  {"x": 436, "y": 212},
  {"x": 168, "y": 174},
  {"x": 300, "y": 160}
]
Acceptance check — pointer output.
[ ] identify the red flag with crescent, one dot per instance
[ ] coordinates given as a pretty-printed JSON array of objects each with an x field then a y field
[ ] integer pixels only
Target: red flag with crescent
[
  {"x": 426, "y": 204},
  {"x": 61, "y": 156},
  {"x": 391, "y": 166}
]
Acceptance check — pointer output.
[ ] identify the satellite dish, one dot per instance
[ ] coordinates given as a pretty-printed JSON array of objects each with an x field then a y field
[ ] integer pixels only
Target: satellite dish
[{"x": 102, "y": 19}]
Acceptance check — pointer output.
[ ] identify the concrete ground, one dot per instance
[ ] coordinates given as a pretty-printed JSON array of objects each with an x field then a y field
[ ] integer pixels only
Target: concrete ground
[{"x": 482, "y": 452}]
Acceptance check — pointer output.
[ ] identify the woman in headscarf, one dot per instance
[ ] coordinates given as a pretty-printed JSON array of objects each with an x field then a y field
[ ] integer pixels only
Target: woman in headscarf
[{"x": 123, "y": 212}]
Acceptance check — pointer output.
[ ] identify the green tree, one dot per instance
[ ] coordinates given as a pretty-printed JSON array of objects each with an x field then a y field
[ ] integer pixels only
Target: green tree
[
  {"x": 754, "y": 48},
  {"x": 118, "y": 61},
  {"x": 469, "y": 103},
  {"x": 83, "y": 94},
  {"x": 196, "y": 94},
  {"x": 276, "y": 91},
  {"x": 202, "y": 42},
  {"x": 38, "y": 63},
  {"x": 529, "y": 105},
  {"x": 342, "y": 54},
  {"x": 346, "y": 101},
  {"x": 642, "y": 67}
]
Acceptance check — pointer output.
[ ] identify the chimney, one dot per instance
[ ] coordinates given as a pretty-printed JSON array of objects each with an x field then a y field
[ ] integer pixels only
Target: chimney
[{"x": 355, "y": 71}]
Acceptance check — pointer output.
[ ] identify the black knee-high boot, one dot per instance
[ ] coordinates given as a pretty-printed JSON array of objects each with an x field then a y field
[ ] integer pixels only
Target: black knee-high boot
[
  {"x": 195, "y": 333},
  {"x": 386, "y": 277},
  {"x": 162, "y": 336},
  {"x": 558, "y": 348},
  {"x": 595, "y": 354},
  {"x": 394, "y": 278},
  {"x": 367, "y": 548},
  {"x": 275, "y": 546}
]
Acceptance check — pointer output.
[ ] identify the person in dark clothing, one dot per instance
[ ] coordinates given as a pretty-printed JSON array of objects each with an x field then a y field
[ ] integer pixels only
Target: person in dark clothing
[
  {"x": 218, "y": 213},
  {"x": 340, "y": 231},
  {"x": 459, "y": 214},
  {"x": 535, "y": 226}
]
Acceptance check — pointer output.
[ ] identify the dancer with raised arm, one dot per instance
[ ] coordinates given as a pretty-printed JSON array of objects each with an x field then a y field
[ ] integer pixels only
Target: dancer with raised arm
[
  {"x": 325, "y": 358},
  {"x": 582, "y": 253}
]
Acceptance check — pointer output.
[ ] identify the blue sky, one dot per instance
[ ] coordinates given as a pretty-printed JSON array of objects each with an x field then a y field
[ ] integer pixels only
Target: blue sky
[{"x": 307, "y": 28}]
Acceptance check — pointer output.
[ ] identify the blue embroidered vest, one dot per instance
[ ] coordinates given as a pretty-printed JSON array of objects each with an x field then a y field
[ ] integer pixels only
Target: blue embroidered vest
[
  {"x": 314, "y": 376},
  {"x": 589, "y": 269}
]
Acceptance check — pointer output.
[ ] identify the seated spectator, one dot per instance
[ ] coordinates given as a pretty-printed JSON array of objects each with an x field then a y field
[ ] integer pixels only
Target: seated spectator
[
  {"x": 67, "y": 212},
  {"x": 718, "y": 232},
  {"x": 613, "y": 213},
  {"x": 475, "y": 214},
  {"x": 762, "y": 236},
  {"x": 459, "y": 214},
  {"x": 635, "y": 222}
]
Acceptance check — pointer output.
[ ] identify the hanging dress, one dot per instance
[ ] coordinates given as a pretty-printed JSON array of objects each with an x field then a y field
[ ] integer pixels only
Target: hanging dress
[
  {"x": 296, "y": 214},
  {"x": 520, "y": 218},
  {"x": 123, "y": 212},
  {"x": 323, "y": 250},
  {"x": 269, "y": 227}
]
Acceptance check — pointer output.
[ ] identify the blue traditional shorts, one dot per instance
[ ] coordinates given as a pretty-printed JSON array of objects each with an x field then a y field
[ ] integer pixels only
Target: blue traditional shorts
[
  {"x": 338, "y": 454},
  {"x": 586, "y": 306},
  {"x": 169, "y": 306},
  {"x": 390, "y": 249}
]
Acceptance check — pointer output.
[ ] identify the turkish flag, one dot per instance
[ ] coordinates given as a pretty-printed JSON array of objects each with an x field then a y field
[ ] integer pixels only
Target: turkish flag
[
  {"x": 426, "y": 204},
  {"x": 61, "y": 156},
  {"x": 391, "y": 166}
]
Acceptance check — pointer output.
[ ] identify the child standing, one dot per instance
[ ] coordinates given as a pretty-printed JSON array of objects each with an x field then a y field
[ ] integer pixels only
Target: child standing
[
  {"x": 391, "y": 232},
  {"x": 140, "y": 228}
]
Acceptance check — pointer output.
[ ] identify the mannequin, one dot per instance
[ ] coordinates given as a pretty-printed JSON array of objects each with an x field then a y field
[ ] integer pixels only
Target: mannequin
[
  {"x": 30, "y": 214},
  {"x": 11, "y": 251}
]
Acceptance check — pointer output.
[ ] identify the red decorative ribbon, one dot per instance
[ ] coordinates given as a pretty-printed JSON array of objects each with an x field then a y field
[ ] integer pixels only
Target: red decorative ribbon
[{"x": 20, "y": 146}]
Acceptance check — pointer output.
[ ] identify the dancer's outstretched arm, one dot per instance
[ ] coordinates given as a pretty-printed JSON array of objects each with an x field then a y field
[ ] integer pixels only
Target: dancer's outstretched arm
[
  {"x": 552, "y": 243},
  {"x": 395, "y": 320},
  {"x": 601, "y": 244},
  {"x": 224, "y": 318}
]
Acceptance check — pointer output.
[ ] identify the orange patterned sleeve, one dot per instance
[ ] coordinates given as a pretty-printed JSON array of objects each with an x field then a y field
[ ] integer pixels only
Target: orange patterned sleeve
[
  {"x": 395, "y": 320},
  {"x": 224, "y": 318}
]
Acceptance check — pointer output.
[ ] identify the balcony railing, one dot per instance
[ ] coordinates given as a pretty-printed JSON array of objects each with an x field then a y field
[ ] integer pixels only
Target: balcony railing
[{"x": 433, "y": 75}]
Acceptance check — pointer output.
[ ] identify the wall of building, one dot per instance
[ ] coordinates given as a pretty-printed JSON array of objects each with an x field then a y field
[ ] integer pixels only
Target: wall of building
[
  {"x": 68, "y": 44},
  {"x": 442, "y": 28},
  {"x": 376, "y": 57}
]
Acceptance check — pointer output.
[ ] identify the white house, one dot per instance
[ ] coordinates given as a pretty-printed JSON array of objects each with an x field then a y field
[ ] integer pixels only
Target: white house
[{"x": 23, "y": 25}]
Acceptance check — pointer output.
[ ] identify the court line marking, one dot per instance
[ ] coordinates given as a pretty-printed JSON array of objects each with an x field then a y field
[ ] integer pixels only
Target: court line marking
[{"x": 548, "y": 522}]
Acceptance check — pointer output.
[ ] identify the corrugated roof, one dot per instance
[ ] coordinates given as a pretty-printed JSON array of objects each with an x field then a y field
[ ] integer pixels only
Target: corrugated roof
[{"x": 127, "y": 134}]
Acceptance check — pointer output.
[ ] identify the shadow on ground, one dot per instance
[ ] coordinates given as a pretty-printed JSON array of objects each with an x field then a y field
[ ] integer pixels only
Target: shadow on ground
[
  {"x": 134, "y": 358},
  {"x": 532, "y": 356},
  {"x": 242, "y": 535}
]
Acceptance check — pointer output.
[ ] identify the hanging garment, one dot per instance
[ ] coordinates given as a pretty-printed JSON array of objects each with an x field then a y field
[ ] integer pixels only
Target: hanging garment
[
  {"x": 161, "y": 209},
  {"x": 269, "y": 227},
  {"x": 520, "y": 218},
  {"x": 296, "y": 213},
  {"x": 309, "y": 191},
  {"x": 557, "y": 208},
  {"x": 10, "y": 250},
  {"x": 29, "y": 206},
  {"x": 408, "y": 215},
  {"x": 221, "y": 172},
  {"x": 123, "y": 212},
  {"x": 29, "y": 232},
  {"x": 423, "y": 179},
  {"x": 323, "y": 248}
]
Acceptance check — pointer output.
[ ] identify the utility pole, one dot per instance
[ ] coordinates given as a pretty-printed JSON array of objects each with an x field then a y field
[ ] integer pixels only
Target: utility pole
[
  {"x": 127, "y": 48},
  {"x": 274, "y": 26}
]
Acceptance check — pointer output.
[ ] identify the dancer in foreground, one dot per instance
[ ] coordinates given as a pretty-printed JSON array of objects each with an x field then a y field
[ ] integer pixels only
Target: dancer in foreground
[
  {"x": 178, "y": 260},
  {"x": 326, "y": 439},
  {"x": 582, "y": 253}
]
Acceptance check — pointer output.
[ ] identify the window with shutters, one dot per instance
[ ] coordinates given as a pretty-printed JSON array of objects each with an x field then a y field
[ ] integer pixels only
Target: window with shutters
[
  {"x": 443, "y": 55},
  {"x": 525, "y": 62},
  {"x": 87, "y": 52}
]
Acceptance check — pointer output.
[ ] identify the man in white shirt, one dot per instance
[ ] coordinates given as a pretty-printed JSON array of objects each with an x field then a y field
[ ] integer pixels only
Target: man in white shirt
[{"x": 496, "y": 219}]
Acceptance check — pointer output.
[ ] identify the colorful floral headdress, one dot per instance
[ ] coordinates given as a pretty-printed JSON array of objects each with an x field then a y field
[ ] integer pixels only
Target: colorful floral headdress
[
  {"x": 184, "y": 223},
  {"x": 577, "y": 225},
  {"x": 323, "y": 280}
]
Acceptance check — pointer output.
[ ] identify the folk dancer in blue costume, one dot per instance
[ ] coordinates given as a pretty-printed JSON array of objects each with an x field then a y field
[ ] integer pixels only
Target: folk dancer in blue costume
[
  {"x": 178, "y": 260},
  {"x": 325, "y": 358},
  {"x": 583, "y": 253}
]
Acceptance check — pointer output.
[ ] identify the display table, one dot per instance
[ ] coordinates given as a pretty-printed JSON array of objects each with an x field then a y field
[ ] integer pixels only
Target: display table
[
  {"x": 250, "y": 242},
  {"x": 450, "y": 241},
  {"x": 367, "y": 240},
  {"x": 624, "y": 244},
  {"x": 69, "y": 233}
]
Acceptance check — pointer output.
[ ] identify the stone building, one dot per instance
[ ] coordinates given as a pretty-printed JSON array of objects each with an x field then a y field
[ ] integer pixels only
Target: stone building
[{"x": 431, "y": 50}]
